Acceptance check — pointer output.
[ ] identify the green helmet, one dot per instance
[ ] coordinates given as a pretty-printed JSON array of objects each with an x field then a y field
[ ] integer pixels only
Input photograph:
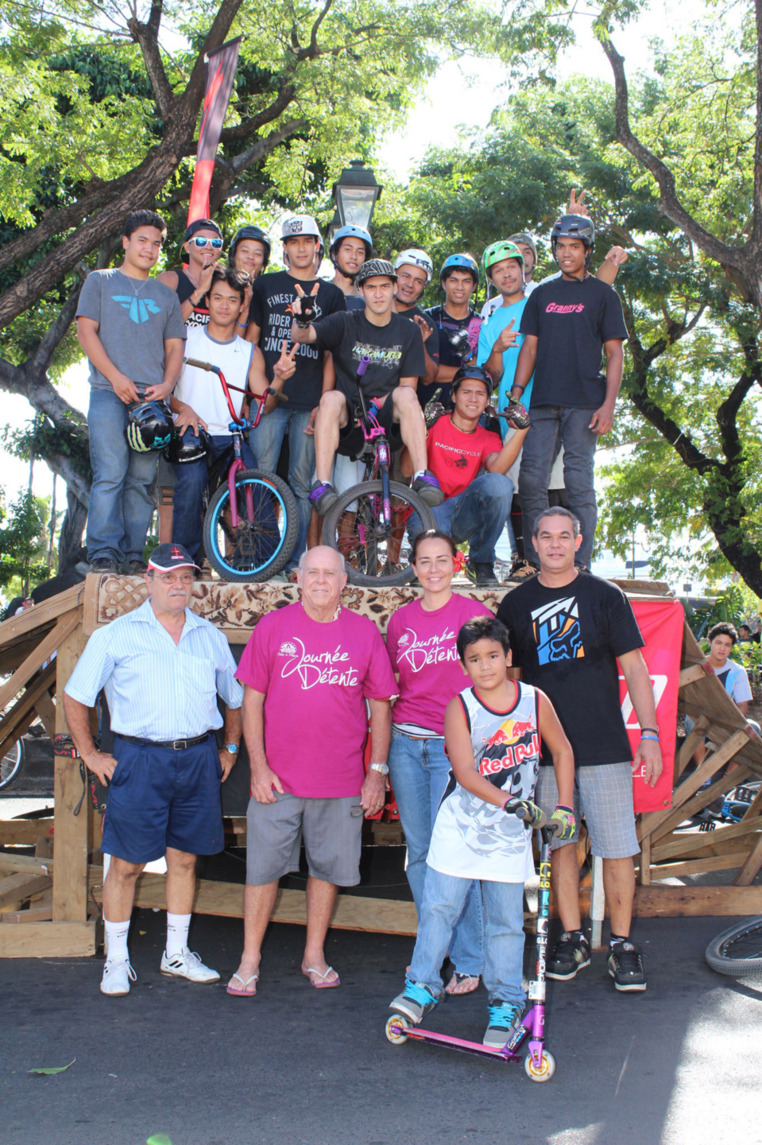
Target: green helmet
[{"x": 498, "y": 252}]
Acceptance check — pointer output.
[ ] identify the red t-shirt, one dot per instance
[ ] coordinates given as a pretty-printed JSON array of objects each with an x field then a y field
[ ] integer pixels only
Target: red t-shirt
[
  {"x": 455, "y": 458},
  {"x": 316, "y": 678}
]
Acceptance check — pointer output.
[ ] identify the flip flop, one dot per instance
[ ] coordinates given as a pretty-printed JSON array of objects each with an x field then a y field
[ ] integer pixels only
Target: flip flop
[
  {"x": 462, "y": 984},
  {"x": 244, "y": 992},
  {"x": 322, "y": 975}
]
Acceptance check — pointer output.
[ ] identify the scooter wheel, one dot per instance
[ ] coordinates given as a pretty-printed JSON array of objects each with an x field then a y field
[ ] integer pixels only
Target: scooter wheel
[
  {"x": 393, "y": 1030},
  {"x": 546, "y": 1070}
]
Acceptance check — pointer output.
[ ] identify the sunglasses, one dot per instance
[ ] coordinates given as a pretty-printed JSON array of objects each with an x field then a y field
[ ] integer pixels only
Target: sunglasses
[{"x": 202, "y": 242}]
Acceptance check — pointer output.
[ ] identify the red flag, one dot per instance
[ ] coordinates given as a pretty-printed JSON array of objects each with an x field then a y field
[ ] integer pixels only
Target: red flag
[{"x": 220, "y": 71}]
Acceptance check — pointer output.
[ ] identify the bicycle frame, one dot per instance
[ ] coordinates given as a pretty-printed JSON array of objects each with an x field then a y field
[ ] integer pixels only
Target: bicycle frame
[{"x": 375, "y": 438}]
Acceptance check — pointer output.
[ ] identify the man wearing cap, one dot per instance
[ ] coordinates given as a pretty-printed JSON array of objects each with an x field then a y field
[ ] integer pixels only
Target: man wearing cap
[
  {"x": 202, "y": 244},
  {"x": 271, "y": 315},
  {"x": 162, "y": 668},
  {"x": 457, "y": 322}
]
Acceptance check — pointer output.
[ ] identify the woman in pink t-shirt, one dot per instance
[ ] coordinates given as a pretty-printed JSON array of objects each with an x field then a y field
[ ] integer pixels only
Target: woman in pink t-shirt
[{"x": 421, "y": 642}]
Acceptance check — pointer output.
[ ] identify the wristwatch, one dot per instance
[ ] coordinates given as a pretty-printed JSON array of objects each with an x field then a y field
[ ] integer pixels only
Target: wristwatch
[
  {"x": 381, "y": 768},
  {"x": 232, "y": 748}
]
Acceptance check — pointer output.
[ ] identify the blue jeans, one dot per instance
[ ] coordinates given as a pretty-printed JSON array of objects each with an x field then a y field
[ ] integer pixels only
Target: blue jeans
[
  {"x": 419, "y": 770},
  {"x": 551, "y": 424},
  {"x": 266, "y": 442},
  {"x": 121, "y": 504},
  {"x": 191, "y": 479},
  {"x": 476, "y": 515},
  {"x": 443, "y": 900}
]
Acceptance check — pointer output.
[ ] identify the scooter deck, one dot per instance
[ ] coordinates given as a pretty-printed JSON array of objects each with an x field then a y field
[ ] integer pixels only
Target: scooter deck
[{"x": 416, "y": 1034}]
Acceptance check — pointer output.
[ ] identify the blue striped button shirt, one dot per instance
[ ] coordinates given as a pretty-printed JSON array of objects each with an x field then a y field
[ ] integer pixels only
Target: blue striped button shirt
[{"x": 157, "y": 689}]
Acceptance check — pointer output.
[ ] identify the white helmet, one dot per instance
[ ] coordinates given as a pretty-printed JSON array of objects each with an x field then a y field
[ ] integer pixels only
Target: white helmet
[
  {"x": 295, "y": 225},
  {"x": 417, "y": 258}
]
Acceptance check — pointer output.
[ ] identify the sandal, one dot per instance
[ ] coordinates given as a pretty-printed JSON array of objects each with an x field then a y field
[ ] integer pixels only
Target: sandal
[{"x": 462, "y": 984}]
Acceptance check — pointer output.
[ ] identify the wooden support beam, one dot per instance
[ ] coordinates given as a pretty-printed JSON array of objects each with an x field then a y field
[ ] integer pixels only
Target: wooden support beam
[
  {"x": 48, "y": 939},
  {"x": 71, "y": 838},
  {"x": 16, "y": 889},
  {"x": 748, "y": 872},
  {"x": 46, "y": 710},
  {"x": 37, "y": 658},
  {"x": 42, "y": 911},
  {"x": 691, "y": 742},
  {"x": 23, "y": 832},
  {"x": 694, "y": 673},
  {"x": 15, "y": 722},
  {"x": 728, "y": 862},
  {"x": 685, "y": 845},
  {"x": 702, "y": 799}
]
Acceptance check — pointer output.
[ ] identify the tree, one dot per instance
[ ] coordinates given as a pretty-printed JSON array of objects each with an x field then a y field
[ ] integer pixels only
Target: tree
[{"x": 23, "y": 541}]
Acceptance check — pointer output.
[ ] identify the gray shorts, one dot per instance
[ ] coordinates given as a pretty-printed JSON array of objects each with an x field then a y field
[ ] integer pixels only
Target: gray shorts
[
  {"x": 603, "y": 794},
  {"x": 332, "y": 833}
]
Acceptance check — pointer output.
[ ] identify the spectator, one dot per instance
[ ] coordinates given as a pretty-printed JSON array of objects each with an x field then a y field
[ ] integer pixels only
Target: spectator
[
  {"x": 527, "y": 248},
  {"x": 350, "y": 248},
  {"x": 249, "y": 253},
  {"x": 202, "y": 247},
  {"x": 414, "y": 269},
  {"x": 457, "y": 322}
]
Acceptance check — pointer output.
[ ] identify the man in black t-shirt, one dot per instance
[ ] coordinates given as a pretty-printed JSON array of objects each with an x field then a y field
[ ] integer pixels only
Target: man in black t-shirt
[
  {"x": 202, "y": 247},
  {"x": 568, "y": 629},
  {"x": 395, "y": 352},
  {"x": 272, "y": 312},
  {"x": 567, "y": 324}
]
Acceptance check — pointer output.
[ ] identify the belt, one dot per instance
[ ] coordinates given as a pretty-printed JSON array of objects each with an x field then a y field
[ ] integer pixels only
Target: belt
[{"x": 170, "y": 744}]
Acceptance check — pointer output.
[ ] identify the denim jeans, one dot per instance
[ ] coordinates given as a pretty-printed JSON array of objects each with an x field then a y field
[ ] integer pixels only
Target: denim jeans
[
  {"x": 443, "y": 900},
  {"x": 121, "y": 504},
  {"x": 191, "y": 478},
  {"x": 419, "y": 771},
  {"x": 549, "y": 425},
  {"x": 476, "y": 515},
  {"x": 266, "y": 441}
]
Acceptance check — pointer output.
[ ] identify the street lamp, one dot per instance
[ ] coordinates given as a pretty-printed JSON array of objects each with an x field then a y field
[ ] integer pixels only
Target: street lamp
[
  {"x": 333, "y": 226},
  {"x": 355, "y": 193}
]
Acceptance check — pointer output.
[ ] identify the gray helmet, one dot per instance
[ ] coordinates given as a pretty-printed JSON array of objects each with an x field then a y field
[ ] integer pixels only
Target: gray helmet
[
  {"x": 375, "y": 268},
  {"x": 526, "y": 239},
  {"x": 574, "y": 227}
]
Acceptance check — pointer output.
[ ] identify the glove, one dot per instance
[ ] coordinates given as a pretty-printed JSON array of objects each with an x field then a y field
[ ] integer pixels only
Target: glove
[
  {"x": 433, "y": 409},
  {"x": 307, "y": 311},
  {"x": 524, "y": 809},
  {"x": 566, "y": 820},
  {"x": 518, "y": 414}
]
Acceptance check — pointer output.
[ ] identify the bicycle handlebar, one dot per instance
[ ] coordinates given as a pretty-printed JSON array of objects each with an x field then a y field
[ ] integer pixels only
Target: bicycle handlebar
[{"x": 226, "y": 388}]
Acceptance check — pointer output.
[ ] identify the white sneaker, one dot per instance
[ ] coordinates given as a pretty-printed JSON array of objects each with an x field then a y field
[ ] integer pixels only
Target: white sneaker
[
  {"x": 116, "y": 978},
  {"x": 188, "y": 965}
]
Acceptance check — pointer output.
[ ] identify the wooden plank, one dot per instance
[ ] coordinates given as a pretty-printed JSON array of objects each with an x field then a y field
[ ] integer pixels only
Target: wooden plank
[
  {"x": 700, "y": 800},
  {"x": 36, "y": 659},
  {"x": 697, "y": 902},
  {"x": 46, "y": 710},
  {"x": 691, "y": 742},
  {"x": 688, "y": 844},
  {"x": 645, "y": 862},
  {"x": 71, "y": 838},
  {"x": 728, "y": 862},
  {"x": 748, "y": 872},
  {"x": 23, "y": 832},
  {"x": 42, "y": 911},
  {"x": 48, "y": 939},
  {"x": 45, "y": 613},
  {"x": 15, "y": 722},
  {"x": 693, "y": 674},
  {"x": 16, "y": 889}
]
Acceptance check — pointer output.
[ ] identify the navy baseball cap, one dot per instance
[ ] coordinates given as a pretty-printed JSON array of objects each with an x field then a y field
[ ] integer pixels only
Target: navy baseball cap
[
  {"x": 171, "y": 556},
  {"x": 201, "y": 225}
]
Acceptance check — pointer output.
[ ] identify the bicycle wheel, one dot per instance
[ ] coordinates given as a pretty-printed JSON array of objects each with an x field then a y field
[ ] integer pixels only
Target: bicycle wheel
[
  {"x": 737, "y": 951},
  {"x": 265, "y": 536},
  {"x": 374, "y": 548},
  {"x": 10, "y": 764}
]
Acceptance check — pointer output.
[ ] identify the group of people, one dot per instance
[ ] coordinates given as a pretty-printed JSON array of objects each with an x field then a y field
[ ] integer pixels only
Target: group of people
[{"x": 432, "y": 375}]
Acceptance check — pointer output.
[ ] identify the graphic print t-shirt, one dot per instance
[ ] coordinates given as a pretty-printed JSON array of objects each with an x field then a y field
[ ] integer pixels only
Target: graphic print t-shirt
[
  {"x": 455, "y": 458},
  {"x": 199, "y": 315},
  {"x": 421, "y": 647},
  {"x": 395, "y": 351},
  {"x": 472, "y": 839},
  {"x": 566, "y": 641},
  {"x": 316, "y": 678},
  {"x": 272, "y": 309},
  {"x": 448, "y": 326}
]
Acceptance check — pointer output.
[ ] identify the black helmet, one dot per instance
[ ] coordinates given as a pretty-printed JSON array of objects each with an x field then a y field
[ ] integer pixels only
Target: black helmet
[
  {"x": 477, "y": 373},
  {"x": 574, "y": 227},
  {"x": 188, "y": 447},
  {"x": 374, "y": 268},
  {"x": 149, "y": 426},
  {"x": 250, "y": 232}
]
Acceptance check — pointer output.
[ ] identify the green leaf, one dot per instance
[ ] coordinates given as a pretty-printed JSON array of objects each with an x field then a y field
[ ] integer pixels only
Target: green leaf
[{"x": 51, "y": 1068}]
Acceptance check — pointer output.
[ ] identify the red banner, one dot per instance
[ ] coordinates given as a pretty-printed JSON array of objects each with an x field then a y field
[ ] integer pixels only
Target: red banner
[
  {"x": 220, "y": 71},
  {"x": 661, "y": 624}
]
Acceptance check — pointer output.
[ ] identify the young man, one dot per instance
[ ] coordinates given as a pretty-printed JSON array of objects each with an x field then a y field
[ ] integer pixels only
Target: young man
[
  {"x": 202, "y": 243},
  {"x": 567, "y": 631},
  {"x": 527, "y": 248},
  {"x": 199, "y": 403},
  {"x": 249, "y": 252},
  {"x": 131, "y": 329},
  {"x": 471, "y": 464},
  {"x": 414, "y": 269},
  {"x": 568, "y": 323},
  {"x": 499, "y": 337},
  {"x": 456, "y": 321},
  {"x": 272, "y": 312},
  {"x": 351, "y": 247},
  {"x": 396, "y": 359}
]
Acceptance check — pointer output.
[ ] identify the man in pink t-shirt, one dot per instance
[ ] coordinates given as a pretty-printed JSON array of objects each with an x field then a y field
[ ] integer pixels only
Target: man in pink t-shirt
[{"x": 308, "y": 670}]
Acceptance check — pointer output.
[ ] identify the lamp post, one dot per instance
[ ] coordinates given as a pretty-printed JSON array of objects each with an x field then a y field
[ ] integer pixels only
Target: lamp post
[{"x": 355, "y": 193}]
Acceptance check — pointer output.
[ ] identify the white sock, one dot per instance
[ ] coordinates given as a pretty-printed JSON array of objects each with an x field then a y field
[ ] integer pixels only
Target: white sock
[
  {"x": 177, "y": 933},
  {"x": 420, "y": 473},
  {"x": 116, "y": 940}
]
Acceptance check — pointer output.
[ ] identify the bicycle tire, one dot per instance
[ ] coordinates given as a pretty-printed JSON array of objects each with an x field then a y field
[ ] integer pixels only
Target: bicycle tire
[
  {"x": 738, "y": 950},
  {"x": 10, "y": 764},
  {"x": 258, "y": 549},
  {"x": 372, "y": 550}
]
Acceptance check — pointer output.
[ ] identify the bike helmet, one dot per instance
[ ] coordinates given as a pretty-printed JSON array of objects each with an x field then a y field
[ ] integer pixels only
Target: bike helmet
[
  {"x": 526, "y": 239},
  {"x": 499, "y": 252},
  {"x": 188, "y": 447},
  {"x": 351, "y": 232},
  {"x": 149, "y": 426},
  {"x": 250, "y": 232},
  {"x": 574, "y": 227},
  {"x": 295, "y": 225},
  {"x": 477, "y": 373},
  {"x": 459, "y": 262},
  {"x": 375, "y": 268},
  {"x": 417, "y": 258}
]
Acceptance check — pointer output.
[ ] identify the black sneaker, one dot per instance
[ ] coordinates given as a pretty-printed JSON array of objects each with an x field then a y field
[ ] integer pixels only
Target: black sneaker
[
  {"x": 522, "y": 570},
  {"x": 481, "y": 572},
  {"x": 570, "y": 954},
  {"x": 134, "y": 568},
  {"x": 626, "y": 968},
  {"x": 103, "y": 565},
  {"x": 426, "y": 486},
  {"x": 323, "y": 496}
]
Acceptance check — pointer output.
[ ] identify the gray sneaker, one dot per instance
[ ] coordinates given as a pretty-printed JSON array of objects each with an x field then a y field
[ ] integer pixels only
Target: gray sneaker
[
  {"x": 414, "y": 1002},
  {"x": 116, "y": 978},
  {"x": 504, "y": 1019},
  {"x": 187, "y": 965}
]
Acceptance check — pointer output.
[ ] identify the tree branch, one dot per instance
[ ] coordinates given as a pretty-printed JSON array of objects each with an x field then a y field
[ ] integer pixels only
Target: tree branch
[
  {"x": 147, "y": 37},
  {"x": 312, "y": 51},
  {"x": 246, "y": 127},
  {"x": 55, "y": 333}
]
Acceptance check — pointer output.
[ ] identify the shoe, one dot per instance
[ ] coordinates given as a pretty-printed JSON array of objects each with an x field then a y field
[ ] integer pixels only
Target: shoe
[
  {"x": 103, "y": 565},
  {"x": 626, "y": 968},
  {"x": 522, "y": 570},
  {"x": 134, "y": 568},
  {"x": 570, "y": 954},
  {"x": 504, "y": 1018},
  {"x": 188, "y": 965},
  {"x": 429, "y": 489},
  {"x": 116, "y": 978},
  {"x": 323, "y": 496},
  {"x": 481, "y": 572},
  {"x": 414, "y": 1002}
]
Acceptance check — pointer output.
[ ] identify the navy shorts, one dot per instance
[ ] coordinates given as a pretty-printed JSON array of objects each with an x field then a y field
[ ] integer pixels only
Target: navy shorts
[{"x": 161, "y": 798}]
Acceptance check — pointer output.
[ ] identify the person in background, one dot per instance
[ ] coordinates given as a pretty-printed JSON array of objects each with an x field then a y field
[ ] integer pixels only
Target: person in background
[{"x": 202, "y": 247}]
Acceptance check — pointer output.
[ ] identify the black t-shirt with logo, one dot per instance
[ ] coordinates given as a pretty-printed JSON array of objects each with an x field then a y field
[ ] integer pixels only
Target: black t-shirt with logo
[
  {"x": 395, "y": 351},
  {"x": 447, "y": 326},
  {"x": 566, "y": 641},
  {"x": 272, "y": 303},
  {"x": 199, "y": 315}
]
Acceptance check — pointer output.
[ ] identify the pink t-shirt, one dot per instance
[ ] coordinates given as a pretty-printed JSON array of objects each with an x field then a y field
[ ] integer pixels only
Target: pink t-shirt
[
  {"x": 421, "y": 647},
  {"x": 316, "y": 678}
]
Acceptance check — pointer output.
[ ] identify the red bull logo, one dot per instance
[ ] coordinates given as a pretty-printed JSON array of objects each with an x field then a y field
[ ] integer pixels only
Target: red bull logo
[{"x": 510, "y": 731}]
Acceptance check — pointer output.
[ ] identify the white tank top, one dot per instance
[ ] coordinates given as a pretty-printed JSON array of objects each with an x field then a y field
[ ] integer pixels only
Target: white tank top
[
  {"x": 477, "y": 840},
  {"x": 201, "y": 390}
]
